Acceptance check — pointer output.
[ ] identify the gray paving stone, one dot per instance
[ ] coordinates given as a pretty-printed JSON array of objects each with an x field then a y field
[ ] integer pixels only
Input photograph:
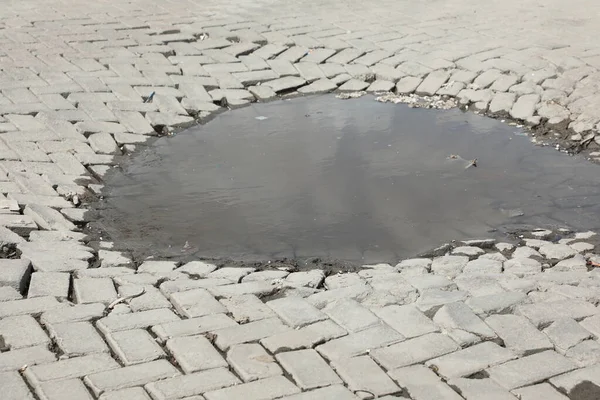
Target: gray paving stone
[
  {"x": 262, "y": 92},
  {"x": 142, "y": 319},
  {"x": 135, "y": 393},
  {"x": 522, "y": 267},
  {"x": 8, "y": 293},
  {"x": 407, "y": 320},
  {"x": 483, "y": 266},
  {"x": 359, "y": 343},
  {"x": 470, "y": 360},
  {"x": 381, "y": 86},
  {"x": 249, "y": 332},
  {"x": 81, "y": 312},
  {"x": 566, "y": 333},
  {"x": 195, "y": 353},
  {"x": 22, "y": 331},
  {"x": 524, "y": 107},
  {"x": 542, "y": 314},
  {"x": 33, "y": 306},
  {"x": 77, "y": 338},
  {"x": 462, "y": 325},
  {"x": 323, "y": 85},
  {"x": 362, "y": 373},
  {"x": 49, "y": 284},
  {"x": 408, "y": 85},
  {"x": 531, "y": 369},
  {"x": 296, "y": 311},
  {"x": 449, "y": 266},
  {"x": 264, "y": 389},
  {"x": 15, "y": 273},
  {"x": 308, "y": 369},
  {"x": 196, "y": 303},
  {"x": 585, "y": 354},
  {"x": 432, "y": 83},
  {"x": 557, "y": 251},
  {"x": 251, "y": 362},
  {"x": 30, "y": 356},
  {"x": 134, "y": 346},
  {"x": 414, "y": 351},
  {"x": 423, "y": 384},
  {"x": 497, "y": 303},
  {"x": 265, "y": 276},
  {"x": 303, "y": 338},
  {"x": 542, "y": 391},
  {"x": 71, "y": 389},
  {"x": 13, "y": 387},
  {"x": 354, "y": 85},
  {"x": 337, "y": 392},
  {"x": 432, "y": 300},
  {"x": 472, "y": 389},
  {"x": 351, "y": 315},
  {"x": 94, "y": 290},
  {"x": 130, "y": 376},
  {"x": 258, "y": 288},
  {"x": 518, "y": 334},
  {"x": 192, "y": 326},
  {"x": 190, "y": 385}
]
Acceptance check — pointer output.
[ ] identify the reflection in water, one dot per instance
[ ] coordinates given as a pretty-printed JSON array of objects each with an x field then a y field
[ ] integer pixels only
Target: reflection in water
[{"x": 356, "y": 180}]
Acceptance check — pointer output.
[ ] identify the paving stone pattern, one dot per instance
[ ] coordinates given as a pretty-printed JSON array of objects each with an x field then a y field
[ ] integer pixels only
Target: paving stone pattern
[{"x": 82, "y": 83}]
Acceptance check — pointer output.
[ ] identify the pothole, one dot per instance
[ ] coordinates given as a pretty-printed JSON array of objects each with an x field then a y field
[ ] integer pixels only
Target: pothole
[{"x": 358, "y": 180}]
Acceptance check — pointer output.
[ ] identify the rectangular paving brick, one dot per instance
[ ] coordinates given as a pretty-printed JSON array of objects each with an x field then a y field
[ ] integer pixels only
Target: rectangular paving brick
[
  {"x": 304, "y": 338},
  {"x": 518, "y": 334},
  {"x": 135, "y": 393},
  {"x": 407, "y": 320},
  {"x": 195, "y": 353},
  {"x": 70, "y": 389},
  {"x": 15, "y": 359},
  {"x": 308, "y": 369},
  {"x": 134, "y": 375},
  {"x": 192, "y": 326},
  {"x": 295, "y": 311},
  {"x": 470, "y": 360},
  {"x": 351, "y": 315},
  {"x": 76, "y": 367},
  {"x": 196, "y": 303},
  {"x": 264, "y": 389},
  {"x": 542, "y": 391},
  {"x": 531, "y": 369},
  {"x": 251, "y": 362},
  {"x": 77, "y": 338},
  {"x": 362, "y": 373},
  {"x": 414, "y": 351},
  {"x": 22, "y": 331},
  {"x": 473, "y": 389},
  {"x": 33, "y": 306},
  {"x": 421, "y": 383},
  {"x": 249, "y": 332},
  {"x": 359, "y": 343},
  {"x": 247, "y": 308},
  {"x": 337, "y": 392},
  {"x": 543, "y": 314},
  {"x": 14, "y": 387},
  {"x": 142, "y": 319},
  {"x": 82, "y": 312},
  {"x": 191, "y": 385},
  {"x": 94, "y": 290},
  {"x": 134, "y": 346}
]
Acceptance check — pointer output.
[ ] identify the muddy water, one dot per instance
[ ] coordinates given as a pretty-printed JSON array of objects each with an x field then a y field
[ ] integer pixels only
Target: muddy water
[{"x": 352, "y": 180}]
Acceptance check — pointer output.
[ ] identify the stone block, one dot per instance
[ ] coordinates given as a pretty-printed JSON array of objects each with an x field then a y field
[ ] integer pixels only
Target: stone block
[
  {"x": 195, "y": 353},
  {"x": 257, "y": 288},
  {"x": 432, "y": 300},
  {"x": 423, "y": 384},
  {"x": 362, "y": 373},
  {"x": 337, "y": 392},
  {"x": 497, "y": 303},
  {"x": 543, "y": 314},
  {"x": 249, "y": 332},
  {"x": 49, "y": 284},
  {"x": 81, "y": 312},
  {"x": 524, "y": 107},
  {"x": 351, "y": 315},
  {"x": 585, "y": 354},
  {"x": 356, "y": 292},
  {"x": 566, "y": 333},
  {"x": 15, "y": 273},
  {"x": 192, "y": 326},
  {"x": 70, "y": 389},
  {"x": 135, "y": 393},
  {"x": 296, "y": 311},
  {"x": 135, "y": 375},
  {"x": 308, "y": 369},
  {"x": 303, "y": 338},
  {"x": 251, "y": 362},
  {"x": 150, "y": 300},
  {"x": 76, "y": 367},
  {"x": 196, "y": 303},
  {"x": 312, "y": 278},
  {"x": 14, "y": 387},
  {"x": 8, "y": 293},
  {"x": 542, "y": 391},
  {"x": 77, "y": 338},
  {"x": 30, "y": 356},
  {"x": 414, "y": 351},
  {"x": 354, "y": 85},
  {"x": 33, "y": 306},
  {"x": 359, "y": 343},
  {"x": 472, "y": 389},
  {"x": 407, "y": 320},
  {"x": 518, "y": 334},
  {"x": 22, "y": 331},
  {"x": 142, "y": 319},
  {"x": 531, "y": 369},
  {"x": 270, "y": 388},
  {"x": 468, "y": 361},
  {"x": 103, "y": 143},
  {"x": 94, "y": 290},
  {"x": 432, "y": 83},
  {"x": 180, "y": 387},
  {"x": 134, "y": 346},
  {"x": 48, "y": 218}
]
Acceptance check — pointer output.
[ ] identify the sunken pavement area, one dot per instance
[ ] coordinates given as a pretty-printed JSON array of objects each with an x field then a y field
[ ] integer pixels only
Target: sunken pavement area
[{"x": 474, "y": 320}]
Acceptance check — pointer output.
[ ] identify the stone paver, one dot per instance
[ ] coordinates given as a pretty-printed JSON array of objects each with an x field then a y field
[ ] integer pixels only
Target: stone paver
[{"x": 73, "y": 81}]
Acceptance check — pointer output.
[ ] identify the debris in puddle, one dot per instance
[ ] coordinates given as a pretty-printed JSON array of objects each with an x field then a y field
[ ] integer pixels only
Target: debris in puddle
[
  {"x": 261, "y": 118},
  {"x": 350, "y": 95},
  {"x": 149, "y": 99},
  {"x": 415, "y": 101},
  {"x": 453, "y": 156},
  {"x": 186, "y": 246},
  {"x": 472, "y": 163}
]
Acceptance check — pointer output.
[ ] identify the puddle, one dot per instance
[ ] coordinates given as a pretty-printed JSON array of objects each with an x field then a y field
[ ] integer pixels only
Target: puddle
[{"x": 353, "y": 180}]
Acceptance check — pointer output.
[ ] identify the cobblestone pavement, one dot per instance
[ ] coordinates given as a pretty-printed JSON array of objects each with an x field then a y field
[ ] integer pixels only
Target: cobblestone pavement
[{"x": 79, "y": 323}]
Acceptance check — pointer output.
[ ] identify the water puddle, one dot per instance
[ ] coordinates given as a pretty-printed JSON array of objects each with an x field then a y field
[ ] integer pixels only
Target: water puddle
[{"x": 352, "y": 180}]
